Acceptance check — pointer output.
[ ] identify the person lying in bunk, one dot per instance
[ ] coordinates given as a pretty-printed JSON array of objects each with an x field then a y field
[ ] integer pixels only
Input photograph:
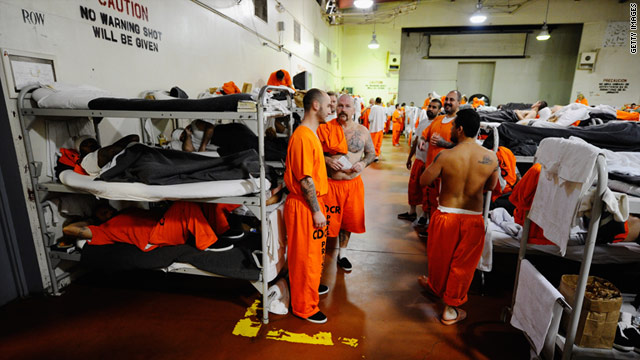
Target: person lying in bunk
[
  {"x": 150, "y": 229},
  {"x": 537, "y": 111},
  {"x": 229, "y": 139},
  {"x": 609, "y": 232},
  {"x": 93, "y": 157}
]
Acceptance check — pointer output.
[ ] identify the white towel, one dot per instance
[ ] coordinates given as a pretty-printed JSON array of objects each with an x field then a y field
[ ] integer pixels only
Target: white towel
[
  {"x": 533, "y": 308},
  {"x": 568, "y": 169},
  {"x": 616, "y": 204}
]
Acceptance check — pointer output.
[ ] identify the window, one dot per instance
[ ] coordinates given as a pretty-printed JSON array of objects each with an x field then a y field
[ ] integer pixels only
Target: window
[
  {"x": 328, "y": 56},
  {"x": 296, "y": 31},
  {"x": 261, "y": 9},
  {"x": 316, "y": 47}
]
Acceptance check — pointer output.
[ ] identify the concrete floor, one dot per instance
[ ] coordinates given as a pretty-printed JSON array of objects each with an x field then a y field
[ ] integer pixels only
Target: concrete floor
[{"x": 377, "y": 311}]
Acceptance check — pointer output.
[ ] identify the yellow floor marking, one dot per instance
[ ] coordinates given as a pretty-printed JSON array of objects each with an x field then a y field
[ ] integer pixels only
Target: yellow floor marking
[
  {"x": 250, "y": 325},
  {"x": 321, "y": 338},
  {"x": 349, "y": 341}
]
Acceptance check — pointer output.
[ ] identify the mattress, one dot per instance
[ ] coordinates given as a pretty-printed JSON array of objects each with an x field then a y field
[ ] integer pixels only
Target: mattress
[
  {"x": 219, "y": 103},
  {"x": 142, "y": 192}
]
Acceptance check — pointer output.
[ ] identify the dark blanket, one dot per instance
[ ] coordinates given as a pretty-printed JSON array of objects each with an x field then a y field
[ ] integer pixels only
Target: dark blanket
[
  {"x": 153, "y": 166},
  {"x": 523, "y": 139},
  {"x": 498, "y": 116},
  {"x": 236, "y": 263},
  {"x": 236, "y": 137},
  {"x": 220, "y": 103},
  {"x": 516, "y": 106}
]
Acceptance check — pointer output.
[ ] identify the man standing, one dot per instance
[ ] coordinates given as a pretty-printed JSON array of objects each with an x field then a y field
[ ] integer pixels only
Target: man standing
[
  {"x": 397, "y": 118},
  {"x": 333, "y": 97},
  {"x": 377, "y": 118},
  {"x": 417, "y": 193},
  {"x": 345, "y": 202},
  {"x": 280, "y": 78},
  {"x": 365, "y": 114},
  {"x": 438, "y": 136},
  {"x": 456, "y": 230},
  {"x": 306, "y": 179}
]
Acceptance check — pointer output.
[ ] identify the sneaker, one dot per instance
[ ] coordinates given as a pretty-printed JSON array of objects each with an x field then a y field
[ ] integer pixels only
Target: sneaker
[
  {"x": 319, "y": 317},
  {"x": 233, "y": 234},
  {"x": 223, "y": 244},
  {"x": 632, "y": 333},
  {"x": 422, "y": 221},
  {"x": 323, "y": 289},
  {"x": 376, "y": 159},
  {"x": 621, "y": 341},
  {"x": 423, "y": 235},
  {"x": 345, "y": 264},
  {"x": 407, "y": 216}
]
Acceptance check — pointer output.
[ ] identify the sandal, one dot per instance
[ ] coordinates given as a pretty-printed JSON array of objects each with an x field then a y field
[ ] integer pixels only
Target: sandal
[{"x": 461, "y": 316}]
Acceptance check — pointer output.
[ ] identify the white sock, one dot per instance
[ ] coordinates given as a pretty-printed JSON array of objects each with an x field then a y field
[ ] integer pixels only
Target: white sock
[{"x": 342, "y": 252}]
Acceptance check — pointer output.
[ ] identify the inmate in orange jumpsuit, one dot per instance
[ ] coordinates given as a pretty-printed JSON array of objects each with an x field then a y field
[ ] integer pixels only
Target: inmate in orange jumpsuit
[
  {"x": 436, "y": 127},
  {"x": 273, "y": 80},
  {"x": 453, "y": 251},
  {"x": 148, "y": 231},
  {"x": 306, "y": 245},
  {"x": 417, "y": 193},
  {"x": 365, "y": 117},
  {"x": 625, "y": 115},
  {"x": 397, "y": 127},
  {"x": 507, "y": 163},
  {"x": 584, "y": 101}
]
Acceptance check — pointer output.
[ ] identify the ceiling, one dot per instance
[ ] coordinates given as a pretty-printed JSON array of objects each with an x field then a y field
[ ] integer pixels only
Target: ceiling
[{"x": 347, "y": 4}]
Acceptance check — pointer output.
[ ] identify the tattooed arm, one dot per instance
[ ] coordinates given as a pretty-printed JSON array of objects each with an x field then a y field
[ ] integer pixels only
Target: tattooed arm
[
  {"x": 491, "y": 160},
  {"x": 309, "y": 193},
  {"x": 78, "y": 229},
  {"x": 369, "y": 149}
]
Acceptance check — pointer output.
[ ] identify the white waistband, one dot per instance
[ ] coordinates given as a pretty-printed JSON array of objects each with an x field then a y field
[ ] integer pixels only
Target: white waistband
[{"x": 449, "y": 210}]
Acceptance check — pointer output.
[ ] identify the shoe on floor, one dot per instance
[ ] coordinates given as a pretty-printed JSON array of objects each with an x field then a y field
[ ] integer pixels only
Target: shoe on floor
[
  {"x": 632, "y": 333},
  {"x": 323, "y": 289},
  {"x": 422, "y": 221},
  {"x": 423, "y": 235},
  {"x": 461, "y": 316},
  {"x": 319, "y": 317},
  {"x": 345, "y": 264},
  {"x": 222, "y": 244},
  {"x": 622, "y": 342},
  {"x": 376, "y": 159},
  {"x": 407, "y": 216},
  {"x": 233, "y": 234}
]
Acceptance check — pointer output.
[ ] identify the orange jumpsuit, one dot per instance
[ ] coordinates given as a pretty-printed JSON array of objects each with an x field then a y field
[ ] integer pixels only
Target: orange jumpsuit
[
  {"x": 507, "y": 163},
  {"x": 453, "y": 251},
  {"x": 584, "y": 101},
  {"x": 417, "y": 193},
  {"x": 522, "y": 198},
  {"x": 230, "y": 88},
  {"x": 306, "y": 245},
  {"x": 148, "y": 231},
  {"x": 436, "y": 127},
  {"x": 624, "y": 115},
  {"x": 365, "y": 117},
  {"x": 273, "y": 80},
  {"x": 397, "y": 127}
]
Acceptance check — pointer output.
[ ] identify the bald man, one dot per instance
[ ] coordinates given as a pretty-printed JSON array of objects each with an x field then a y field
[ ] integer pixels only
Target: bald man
[
  {"x": 456, "y": 230},
  {"x": 306, "y": 179},
  {"x": 344, "y": 203},
  {"x": 437, "y": 134}
]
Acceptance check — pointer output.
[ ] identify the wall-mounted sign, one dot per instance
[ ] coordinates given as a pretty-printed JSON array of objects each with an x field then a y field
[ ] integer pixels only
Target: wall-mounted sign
[
  {"x": 376, "y": 85},
  {"x": 617, "y": 34},
  {"x": 613, "y": 86}
]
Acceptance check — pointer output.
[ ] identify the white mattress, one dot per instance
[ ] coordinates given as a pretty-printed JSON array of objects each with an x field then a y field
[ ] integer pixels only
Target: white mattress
[
  {"x": 619, "y": 253},
  {"x": 143, "y": 192}
]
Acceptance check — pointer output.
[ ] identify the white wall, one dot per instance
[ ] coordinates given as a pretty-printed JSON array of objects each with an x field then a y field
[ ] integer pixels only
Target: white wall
[{"x": 545, "y": 73}]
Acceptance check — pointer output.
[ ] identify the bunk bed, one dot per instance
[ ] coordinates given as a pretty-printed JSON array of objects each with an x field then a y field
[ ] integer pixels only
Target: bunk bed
[
  {"x": 252, "y": 192},
  {"x": 549, "y": 339}
]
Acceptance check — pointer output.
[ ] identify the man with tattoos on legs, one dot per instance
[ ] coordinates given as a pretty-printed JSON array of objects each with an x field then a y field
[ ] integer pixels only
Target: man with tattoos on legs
[
  {"x": 306, "y": 179},
  {"x": 456, "y": 230},
  {"x": 344, "y": 203}
]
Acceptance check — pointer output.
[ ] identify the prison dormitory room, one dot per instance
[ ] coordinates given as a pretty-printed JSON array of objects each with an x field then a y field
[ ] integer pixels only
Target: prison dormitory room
[{"x": 319, "y": 179}]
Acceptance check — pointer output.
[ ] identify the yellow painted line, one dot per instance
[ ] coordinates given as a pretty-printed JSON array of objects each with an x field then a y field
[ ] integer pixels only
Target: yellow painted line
[
  {"x": 249, "y": 327},
  {"x": 321, "y": 338}
]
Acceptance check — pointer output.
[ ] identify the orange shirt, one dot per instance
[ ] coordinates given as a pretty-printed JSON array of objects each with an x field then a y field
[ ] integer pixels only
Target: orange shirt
[
  {"x": 396, "y": 117},
  {"x": 426, "y": 103},
  {"x": 332, "y": 138},
  {"x": 436, "y": 127},
  {"x": 583, "y": 101},
  {"x": 230, "y": 88},
  {"x": 305, "y": 158},
  {"x": 133, "y": 227},
  {"x": 273, "y": 80}
]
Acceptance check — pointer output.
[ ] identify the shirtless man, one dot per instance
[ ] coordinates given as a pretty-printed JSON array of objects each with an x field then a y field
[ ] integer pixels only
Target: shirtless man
[
  {"x": 93, "y": 157},
  {"x": 536, "y": 109},
  {"x": 456, "y": 230},
  {"x": 345, "y": 201}
]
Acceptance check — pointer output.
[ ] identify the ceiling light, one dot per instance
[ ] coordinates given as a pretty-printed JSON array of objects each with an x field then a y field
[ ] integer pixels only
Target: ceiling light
[
  {"x": 544, "y": 33},
  {"x": 478, "y": 15},
  {"x": 363, "y": 4},
  {"x": 374, "y": 43}
]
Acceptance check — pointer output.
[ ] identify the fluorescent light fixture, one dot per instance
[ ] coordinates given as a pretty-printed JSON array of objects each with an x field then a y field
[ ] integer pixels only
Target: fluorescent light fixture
[
  {"x": 374, "y": 43},
  {"x": 478, "y": 17},
  {"x": 363, "y": 4},
  {"x": 544, "y": 33}
]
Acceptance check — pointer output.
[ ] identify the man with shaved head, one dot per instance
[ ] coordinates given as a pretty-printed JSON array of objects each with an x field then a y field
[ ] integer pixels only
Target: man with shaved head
[
  {"x": 348, "y": 149},
  {"x": 438, "y": 135}
]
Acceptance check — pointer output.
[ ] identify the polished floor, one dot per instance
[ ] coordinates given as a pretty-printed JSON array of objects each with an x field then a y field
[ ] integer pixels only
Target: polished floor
[{"x": 376, "y": 311}]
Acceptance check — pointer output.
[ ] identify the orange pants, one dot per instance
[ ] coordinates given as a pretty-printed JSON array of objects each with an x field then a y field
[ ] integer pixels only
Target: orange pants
[
  {"x": 397, "y": 129},
  {"x": 417, "y": 193},
  {"x": 305, "y": 254},
  {"x": 344, "y": 205},
  {"x": 453, "y": 251},
  {"x": 409, "y": 138},
  {"x": 432, "y": 192},
  {"x": 376, "y": 138},
  {"x": 387, "y": 124}
]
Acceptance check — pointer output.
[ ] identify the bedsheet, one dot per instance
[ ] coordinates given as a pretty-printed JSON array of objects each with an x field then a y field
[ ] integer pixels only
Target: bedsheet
[{"x": 142, "y": 192}]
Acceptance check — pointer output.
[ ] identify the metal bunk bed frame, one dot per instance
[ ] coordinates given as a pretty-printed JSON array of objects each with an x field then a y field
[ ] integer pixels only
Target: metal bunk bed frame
[{"x": 257, "y": 205}]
